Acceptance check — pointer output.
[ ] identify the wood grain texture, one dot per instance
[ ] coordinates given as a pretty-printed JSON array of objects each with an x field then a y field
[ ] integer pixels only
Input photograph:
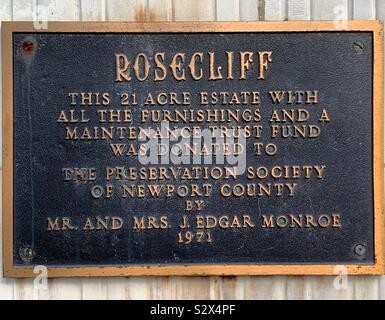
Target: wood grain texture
[
  {"x": 159, "y": 10},
  {"x": 24, "y": 290},
  {"x": 230, "y": 288},
  {"x": 65, "y": 289},
  {"x": 94, "y": 289},
  {"x": 298, "y": 288},
  {"x": 275, "y": 10},
  {"x": 197, "y": 10},
  {"x": 381, "y": 288},
  {"x": 364, "y": 9},
  {"x": 366, "y": 288},
  {"x": 5, "y": 10},
  {"x": 126, "y": 10},
  {"x": 298, "y": 10},
  {"x": 161, "y": 288},
  {"x": 265, "y": 288},
  {"x": 380, "y": 10},
  {"x": 197, "y": 287},
  {"x": 330, "y": 10},
  {"x": 331, "y": 288},
  {"x": 5, "y": 15},
  {"x": 93, "y": 10},
  {"x": 117, "y": 288},
  {"x": 139, "y": 288},
  {"x": 59, "y": 10},
  {"x": 23, "y": 10},
  {"x": 248, "y": 10},
  {"x": 191, "y": 288},
  {"x": 227, "y": 10}
]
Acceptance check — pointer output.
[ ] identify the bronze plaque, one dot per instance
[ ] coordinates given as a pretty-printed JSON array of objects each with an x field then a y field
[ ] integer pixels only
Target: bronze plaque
[{"x": 193, "y": 148}]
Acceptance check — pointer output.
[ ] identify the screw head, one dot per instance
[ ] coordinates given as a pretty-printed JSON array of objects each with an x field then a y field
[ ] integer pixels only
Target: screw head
[
  {"x": 26, "y": 254},
  {"x": 360, "y": 250},
  {"x": 358, "y": 47},
  {"x": 97, "y": 191}
]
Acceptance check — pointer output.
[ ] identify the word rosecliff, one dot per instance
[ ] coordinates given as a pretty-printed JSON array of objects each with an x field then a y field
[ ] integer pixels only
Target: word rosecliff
[{"x": 197, "y": 65}]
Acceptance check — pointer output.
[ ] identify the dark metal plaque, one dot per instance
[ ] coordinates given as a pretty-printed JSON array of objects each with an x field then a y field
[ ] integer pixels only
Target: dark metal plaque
[{"x": 193, "y": 149}]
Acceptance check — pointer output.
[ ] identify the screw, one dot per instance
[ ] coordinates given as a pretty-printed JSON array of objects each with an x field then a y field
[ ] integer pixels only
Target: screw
[
  {"x": 97, "y": 191},
  {"x": 26, "y": 254},
  {"x": 358, "y": 47},
  {"x": 360, "y": 250}
]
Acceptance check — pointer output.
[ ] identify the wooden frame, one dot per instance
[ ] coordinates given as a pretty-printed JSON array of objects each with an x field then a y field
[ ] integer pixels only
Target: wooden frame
[{"x": 203, "y": 270}]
